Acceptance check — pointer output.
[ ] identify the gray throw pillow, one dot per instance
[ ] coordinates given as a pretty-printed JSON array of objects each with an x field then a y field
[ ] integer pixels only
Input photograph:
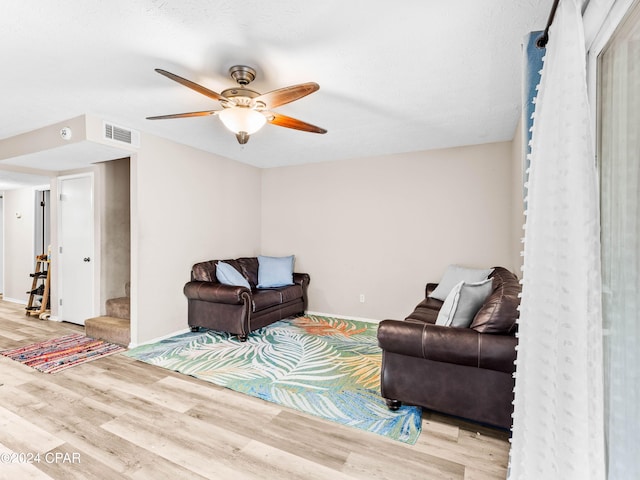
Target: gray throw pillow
[
  {"x": 462, "y": 304},
  {"x": 455, "y": 274},
  {"x": 449, "y": 306},
  {"x": 275, "y": 271},
  {"x": 227, "y": 275}
]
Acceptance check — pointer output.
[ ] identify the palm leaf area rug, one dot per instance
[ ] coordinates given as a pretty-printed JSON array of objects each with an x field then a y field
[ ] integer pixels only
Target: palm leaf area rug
[
  {"x": 58, "y": 354},
  {"x": 323, "y": 366}
]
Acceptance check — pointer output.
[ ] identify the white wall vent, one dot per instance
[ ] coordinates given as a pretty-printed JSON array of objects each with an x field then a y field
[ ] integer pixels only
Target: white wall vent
[{"x": 120, "y": 134}]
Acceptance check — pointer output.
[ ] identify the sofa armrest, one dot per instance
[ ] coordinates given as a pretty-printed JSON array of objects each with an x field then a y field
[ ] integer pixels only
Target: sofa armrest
[
  {"x": 301, "y": 278},
  {"x": 460, "y": 346},
  {"x": 217, "y": 292},
  {"x": 428, "y": 290}
]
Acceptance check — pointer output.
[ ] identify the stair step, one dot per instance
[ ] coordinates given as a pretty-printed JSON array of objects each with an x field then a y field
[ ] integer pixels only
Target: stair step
[
  {"x": 111, "y": 329},
  {"x": 119, "y": 307}
]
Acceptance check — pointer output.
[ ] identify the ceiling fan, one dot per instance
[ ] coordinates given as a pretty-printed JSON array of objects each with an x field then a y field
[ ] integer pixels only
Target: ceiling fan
[{"x": 246, "y": 111}]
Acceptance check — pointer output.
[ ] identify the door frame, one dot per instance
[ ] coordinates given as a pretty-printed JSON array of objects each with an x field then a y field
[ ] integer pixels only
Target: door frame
[{"x": 95, "y": 263}]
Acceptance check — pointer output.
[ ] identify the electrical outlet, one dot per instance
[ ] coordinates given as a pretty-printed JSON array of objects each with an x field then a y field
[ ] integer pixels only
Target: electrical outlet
[{"x": 362, "y": 298}]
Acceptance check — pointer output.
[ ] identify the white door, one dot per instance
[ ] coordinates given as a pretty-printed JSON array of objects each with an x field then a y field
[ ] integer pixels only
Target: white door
[{"x": 75, "y": 252}]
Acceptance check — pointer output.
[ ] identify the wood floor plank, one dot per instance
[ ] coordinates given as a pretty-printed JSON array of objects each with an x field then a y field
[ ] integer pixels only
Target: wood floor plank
[
  {"x": 79, "y": 426},
  {"x": 12, "y": 373},
  {"x": 14, "y": 468},
  {"x": 71, "y": 463},
  {"x": 12, "y": 334},
  {"x": 16, "y": 400},
  {"x": 156, "y": 394},
  {"x": 131, "y": 420},
  {"x": 471, "y": 454},
  {"x": 364, "y": 467},
  {"x": 308, "y": 438},
  {"x": 130, "y": 370},
  {"x": 20, "y": 435},
  {"x": 265, "y": 461},
  {"x": 205, "y": 451}
]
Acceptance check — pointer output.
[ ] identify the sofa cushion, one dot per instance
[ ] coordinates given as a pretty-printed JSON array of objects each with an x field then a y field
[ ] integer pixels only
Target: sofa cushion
[
  {"x": 248, "y": 266},
  {"x": 266, "y": 298},
  {"x": 204, "y": 271},
  {"x": 426, "y": 311},
  {"x": 455, "y": 274},
  {"x": 228, "y": 275},
  {"x": 500, "y": 311},
  {"x": 290, "y": 292},
  {"x": 275, "y": 271},
  {"x": 463, "y": 302}
]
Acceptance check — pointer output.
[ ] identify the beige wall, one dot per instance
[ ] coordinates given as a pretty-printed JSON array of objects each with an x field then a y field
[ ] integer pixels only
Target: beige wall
[
  {"x": 186, "y": 206},
  {"x": 19, "y": 257},
  {"x": 113, "y": 201},
  {"x": 384, "y": 226},
  {"x": 517, "y": 212},
  {"x": 380, "y": 226}
]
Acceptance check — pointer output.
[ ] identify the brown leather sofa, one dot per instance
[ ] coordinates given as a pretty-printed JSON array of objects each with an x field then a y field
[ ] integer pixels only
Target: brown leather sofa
[
  {"x": 239, "y": 310},
  {"x": 466, "y": 372}
]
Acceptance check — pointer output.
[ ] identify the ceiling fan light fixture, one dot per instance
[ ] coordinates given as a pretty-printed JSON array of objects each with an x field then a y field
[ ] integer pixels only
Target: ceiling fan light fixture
[
  {"x": 242, "y": 137},
  {"x": 246, "y": 111},
  {"x": 242, "y": 119}
]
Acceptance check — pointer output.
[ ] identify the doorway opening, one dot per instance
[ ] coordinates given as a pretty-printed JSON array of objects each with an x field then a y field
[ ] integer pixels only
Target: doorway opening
[{"x": 42, "y": 225}]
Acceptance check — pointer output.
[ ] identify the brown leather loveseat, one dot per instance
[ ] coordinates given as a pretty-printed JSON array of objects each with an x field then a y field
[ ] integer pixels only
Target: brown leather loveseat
[
  {"x": 237, "y": 309},
  {"x": 466, "y": 372}
]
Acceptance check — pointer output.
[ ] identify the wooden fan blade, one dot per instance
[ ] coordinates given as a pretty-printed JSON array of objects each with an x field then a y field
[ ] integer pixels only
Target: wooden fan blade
[
  {"x": 185, "y": 115},
  {"x": 192, "y": 85},
  {"x": 289, "y": 122},
  {"x": 287, "y": 94}
]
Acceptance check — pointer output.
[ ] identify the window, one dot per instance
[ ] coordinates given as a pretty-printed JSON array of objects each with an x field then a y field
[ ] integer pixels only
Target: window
[{"x": 619, "y": 167}]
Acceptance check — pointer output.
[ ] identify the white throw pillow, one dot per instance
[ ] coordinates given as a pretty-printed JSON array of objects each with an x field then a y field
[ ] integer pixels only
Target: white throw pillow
[
  {"x": 462, "y": 304},
  {"x": 455, "y": 274}
]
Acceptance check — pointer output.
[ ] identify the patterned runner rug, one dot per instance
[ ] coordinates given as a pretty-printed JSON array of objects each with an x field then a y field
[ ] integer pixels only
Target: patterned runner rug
[
  {"x": 326, "y": 367},
  {"x": 54, "y": 355}
]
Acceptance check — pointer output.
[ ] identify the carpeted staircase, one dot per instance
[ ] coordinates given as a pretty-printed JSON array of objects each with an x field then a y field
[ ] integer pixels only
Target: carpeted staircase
[{"x": 114, "y": 327}]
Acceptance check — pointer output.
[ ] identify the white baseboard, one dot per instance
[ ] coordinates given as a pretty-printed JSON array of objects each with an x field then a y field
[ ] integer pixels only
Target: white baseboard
[
  {"x": 14, "y": 300},
  {"x": 24, "y": 302},
  {"x": 319, "y": 314},
  {"x": 159, "y": 339},
  {"x": 346, "y": 317}
]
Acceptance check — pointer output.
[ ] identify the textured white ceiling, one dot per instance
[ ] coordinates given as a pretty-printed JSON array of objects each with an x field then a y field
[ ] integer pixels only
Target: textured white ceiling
[
  {"x": 394, "y": 76},
  {"x": 10, "y": 180}
]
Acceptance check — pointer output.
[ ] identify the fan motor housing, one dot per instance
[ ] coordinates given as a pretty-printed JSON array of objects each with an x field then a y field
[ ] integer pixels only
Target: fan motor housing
[
  {"x": 239, "y": 92},
  {"x": 240, "y": 96},
  {"x": 242, "y": 74}
]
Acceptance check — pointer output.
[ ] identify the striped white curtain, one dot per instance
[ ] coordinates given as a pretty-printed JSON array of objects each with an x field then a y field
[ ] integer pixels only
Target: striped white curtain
[{"x": 558, "y": 407}]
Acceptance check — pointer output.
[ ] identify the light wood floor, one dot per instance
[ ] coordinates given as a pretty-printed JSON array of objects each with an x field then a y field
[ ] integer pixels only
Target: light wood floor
[{"x": 119, "y": 418}]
